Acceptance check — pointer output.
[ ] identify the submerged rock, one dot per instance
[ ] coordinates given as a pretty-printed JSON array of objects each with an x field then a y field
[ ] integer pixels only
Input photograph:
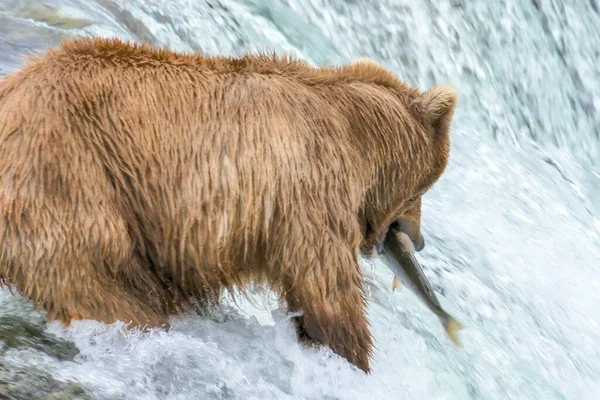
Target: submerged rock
[
  {"x": 50, "y": 15},
  {"x": 30, "y": 383},
  {"x": 17, "y": 332}
]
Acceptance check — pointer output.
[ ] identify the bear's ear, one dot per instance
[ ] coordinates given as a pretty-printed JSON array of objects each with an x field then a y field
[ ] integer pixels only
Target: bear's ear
[{"x": 436, "y": 107}]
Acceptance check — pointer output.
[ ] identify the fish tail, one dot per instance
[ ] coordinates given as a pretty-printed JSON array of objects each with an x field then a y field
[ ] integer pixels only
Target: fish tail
[{"x": 452, "y": 326}]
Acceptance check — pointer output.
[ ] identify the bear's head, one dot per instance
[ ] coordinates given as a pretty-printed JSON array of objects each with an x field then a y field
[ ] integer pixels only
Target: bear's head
[
  {"x": 434, "y": 109},
  {"x": 416, "y": 138}
]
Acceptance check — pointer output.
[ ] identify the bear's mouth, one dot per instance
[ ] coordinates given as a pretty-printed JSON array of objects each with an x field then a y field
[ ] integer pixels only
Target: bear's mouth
[{"x": 417, "y": 243}]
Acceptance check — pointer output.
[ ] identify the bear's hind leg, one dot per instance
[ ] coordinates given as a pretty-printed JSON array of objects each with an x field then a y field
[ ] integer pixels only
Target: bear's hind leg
[{"x": 77, "y": 262}]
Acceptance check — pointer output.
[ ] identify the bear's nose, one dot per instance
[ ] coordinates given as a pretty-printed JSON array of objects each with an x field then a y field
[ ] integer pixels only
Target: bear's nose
[{"x": 419, "y": 243}]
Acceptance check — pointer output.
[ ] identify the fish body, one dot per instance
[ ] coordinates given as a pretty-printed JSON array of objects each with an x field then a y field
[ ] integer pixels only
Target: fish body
[{"x": 401, "y": 260}]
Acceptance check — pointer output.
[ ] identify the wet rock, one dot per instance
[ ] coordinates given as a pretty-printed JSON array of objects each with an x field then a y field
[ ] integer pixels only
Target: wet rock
[
  {"x": 16, "y": 332},
  {"x": 31, "y": 383}
]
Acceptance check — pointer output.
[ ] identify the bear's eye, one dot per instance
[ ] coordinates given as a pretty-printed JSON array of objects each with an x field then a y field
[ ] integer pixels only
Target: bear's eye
[{"x": 412, "y": 199}]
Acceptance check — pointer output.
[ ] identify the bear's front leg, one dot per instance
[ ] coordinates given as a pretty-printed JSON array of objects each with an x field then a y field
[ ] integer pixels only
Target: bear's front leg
[{"x": 331, "y": 298}]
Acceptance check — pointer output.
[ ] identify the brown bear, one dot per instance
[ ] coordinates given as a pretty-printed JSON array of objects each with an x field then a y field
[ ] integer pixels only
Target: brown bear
[{"x": 134, "y": 181}]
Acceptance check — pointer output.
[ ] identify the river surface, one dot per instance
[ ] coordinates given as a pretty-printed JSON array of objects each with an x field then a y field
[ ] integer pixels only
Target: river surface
[{"x": 512, "y": 228}]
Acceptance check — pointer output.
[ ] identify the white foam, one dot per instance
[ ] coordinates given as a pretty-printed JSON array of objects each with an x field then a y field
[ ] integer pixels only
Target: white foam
[{"x": 513, "y": 239}]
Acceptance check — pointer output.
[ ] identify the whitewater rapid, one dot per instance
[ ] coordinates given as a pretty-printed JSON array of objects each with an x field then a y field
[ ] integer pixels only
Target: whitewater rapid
[{"x": 512, "y": 228}]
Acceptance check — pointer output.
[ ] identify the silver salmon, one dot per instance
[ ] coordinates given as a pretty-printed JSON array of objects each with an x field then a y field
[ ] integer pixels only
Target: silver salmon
[{"x": 398, "y": 251}]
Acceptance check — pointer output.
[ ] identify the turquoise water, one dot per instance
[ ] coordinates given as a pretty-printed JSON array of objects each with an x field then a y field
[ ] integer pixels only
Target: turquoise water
[{"x": 512, "y": 228}]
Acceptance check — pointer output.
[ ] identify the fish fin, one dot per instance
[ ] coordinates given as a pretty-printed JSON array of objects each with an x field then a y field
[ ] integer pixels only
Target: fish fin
[
  {"x": 452, "y": 326},
  {"x": 396, "y": 284}
]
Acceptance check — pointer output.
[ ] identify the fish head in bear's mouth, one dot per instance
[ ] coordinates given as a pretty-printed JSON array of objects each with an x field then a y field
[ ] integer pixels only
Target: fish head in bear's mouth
[{"x": 407, "y": 226}]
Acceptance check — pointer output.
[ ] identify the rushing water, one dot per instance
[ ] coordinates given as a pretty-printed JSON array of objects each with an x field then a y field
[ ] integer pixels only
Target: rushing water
[{"x": 513, "y": 226}]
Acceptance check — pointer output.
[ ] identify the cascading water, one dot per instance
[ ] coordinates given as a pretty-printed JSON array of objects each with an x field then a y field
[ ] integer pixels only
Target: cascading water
[{"x": 512, "y": 228}]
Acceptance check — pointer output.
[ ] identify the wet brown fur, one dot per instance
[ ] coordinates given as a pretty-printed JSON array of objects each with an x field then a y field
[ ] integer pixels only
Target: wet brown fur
[{"x": 134, "y": 179}]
